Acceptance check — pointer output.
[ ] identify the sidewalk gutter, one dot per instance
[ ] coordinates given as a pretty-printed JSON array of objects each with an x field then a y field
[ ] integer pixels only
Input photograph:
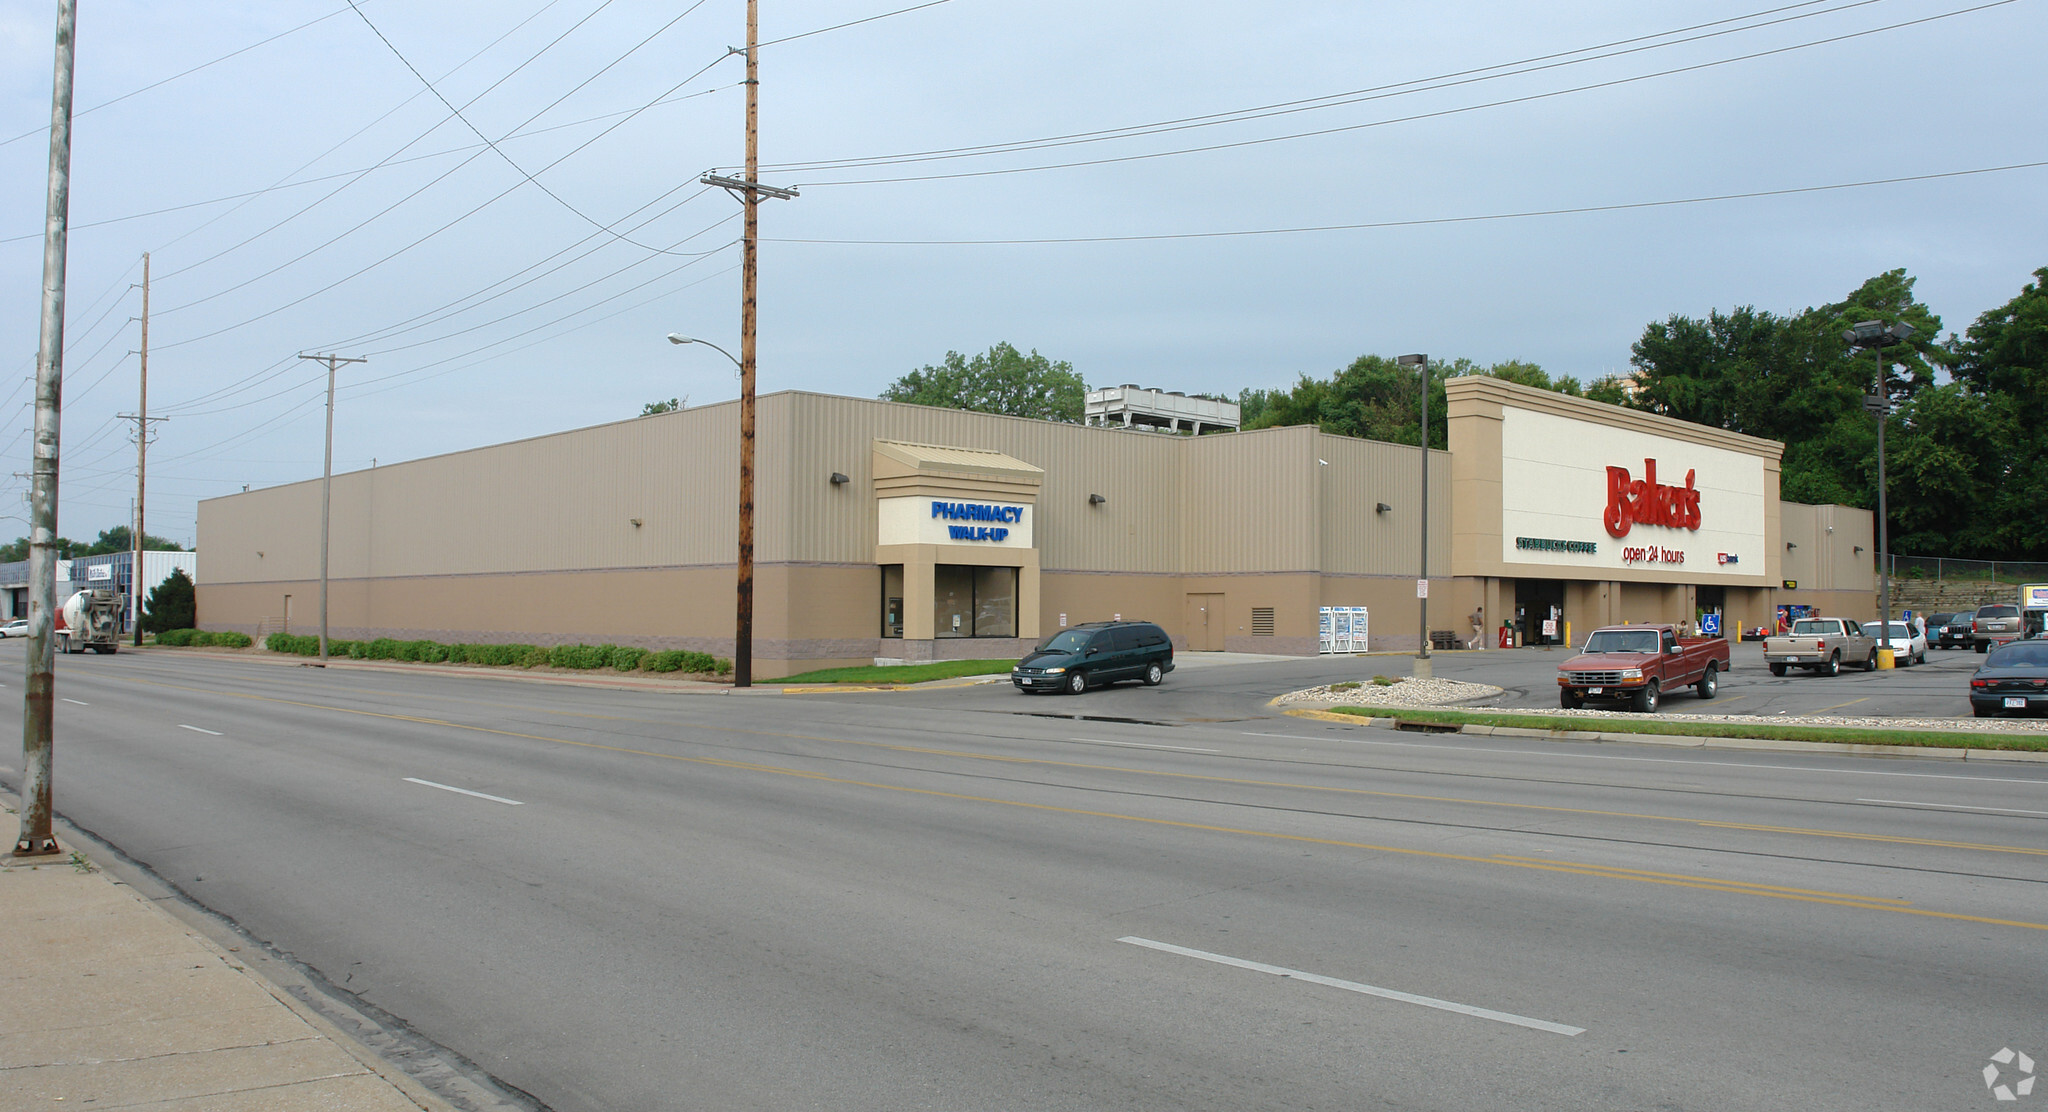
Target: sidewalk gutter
[{"x": 123, "y": 994}]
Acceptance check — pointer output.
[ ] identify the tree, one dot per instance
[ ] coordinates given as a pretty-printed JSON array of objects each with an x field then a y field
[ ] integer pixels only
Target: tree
[
  {"x": 117, "y": 540},
  {"x": 1376, "y": 398},
  {"x": 17, "y": 551},
  {"x": 670, "y": 406},
  {"x": 2002, "y": 360},
  {"x": 1000, "y": 380},
  {"x": 172, "y": 604}
]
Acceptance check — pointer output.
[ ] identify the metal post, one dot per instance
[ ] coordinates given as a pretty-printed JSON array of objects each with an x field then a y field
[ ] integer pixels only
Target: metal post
[
  {"x": 1884, "y": 563},
  {"x": 1424, "y": 669},
  {"x": 327, "y": 490},
  {"x": 141, "y": 466},
  {"x": 743, "y": 630},
  {"x": 38, "y": 739}
]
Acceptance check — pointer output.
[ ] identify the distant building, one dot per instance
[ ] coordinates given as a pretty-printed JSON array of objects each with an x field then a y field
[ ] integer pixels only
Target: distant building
[
  {"x": 1132, "y": 406},
  {"x": 106, "y": 570}
]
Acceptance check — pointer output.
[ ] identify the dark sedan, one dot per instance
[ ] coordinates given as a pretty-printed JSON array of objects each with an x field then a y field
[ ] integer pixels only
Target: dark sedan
[{"x": 2012, "y": 680}]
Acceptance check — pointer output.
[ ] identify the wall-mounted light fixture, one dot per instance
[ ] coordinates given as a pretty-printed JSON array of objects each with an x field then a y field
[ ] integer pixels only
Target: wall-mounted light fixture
[
  {"x": 1382, "y": 508},
  {"x": 1858, "y": 552},
  {"x": 259, "y": 554},
  {"x": 1789, "y": 546},
  {"x": 635, "y": 521},
  {"x": 839, "y": 479},
  {"x": 1097, "y": 500}
]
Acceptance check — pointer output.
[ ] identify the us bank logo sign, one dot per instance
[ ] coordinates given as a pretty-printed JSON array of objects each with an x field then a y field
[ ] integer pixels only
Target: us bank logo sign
[{"x": 2009, "y": 1075}]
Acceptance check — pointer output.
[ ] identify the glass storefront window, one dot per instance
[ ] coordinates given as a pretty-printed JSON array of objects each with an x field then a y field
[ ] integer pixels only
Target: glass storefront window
[
  {"x": 892, "y": 600},
  {"x": 967, "y": 601},
  {"x": 995, "y": 602}
]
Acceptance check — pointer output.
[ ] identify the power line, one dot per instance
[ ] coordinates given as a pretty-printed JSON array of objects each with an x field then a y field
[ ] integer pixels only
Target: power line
[
  {"x": 1529, "y": 98},
  {"x": 858, "y": 22},
  {"x": 177, "y": 76},
  {"x": 1618, "y": 207},
  {"x": 1419, "y": 84}
]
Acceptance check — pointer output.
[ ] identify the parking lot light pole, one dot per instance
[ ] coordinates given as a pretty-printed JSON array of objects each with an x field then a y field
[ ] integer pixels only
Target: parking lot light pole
[
  {"x": 1424, "y": 669},
  {"x": 1876, "y": 336}
]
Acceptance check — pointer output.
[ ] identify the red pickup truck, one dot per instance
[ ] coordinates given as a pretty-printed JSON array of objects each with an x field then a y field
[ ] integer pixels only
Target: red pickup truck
[{"x": 1637, "y": 664}]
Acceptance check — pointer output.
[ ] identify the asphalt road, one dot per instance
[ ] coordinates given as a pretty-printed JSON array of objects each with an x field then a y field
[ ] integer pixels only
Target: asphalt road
[{"x": 965, "y": 899}]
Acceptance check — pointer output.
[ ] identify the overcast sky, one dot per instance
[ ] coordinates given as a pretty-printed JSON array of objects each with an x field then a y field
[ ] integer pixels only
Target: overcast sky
[{"x": 309, "y": 194}]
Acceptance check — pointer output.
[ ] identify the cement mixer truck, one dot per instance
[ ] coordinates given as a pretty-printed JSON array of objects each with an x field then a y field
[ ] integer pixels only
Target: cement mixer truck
[{"x": 90, "y": 619}]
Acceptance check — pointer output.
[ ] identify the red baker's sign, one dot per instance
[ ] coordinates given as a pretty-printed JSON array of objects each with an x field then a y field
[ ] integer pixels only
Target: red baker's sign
[{"x": 1644, "y": 501}]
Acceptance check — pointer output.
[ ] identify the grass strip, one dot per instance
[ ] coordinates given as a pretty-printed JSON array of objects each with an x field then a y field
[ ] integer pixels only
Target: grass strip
[
  {"x": 902, "y": 673},
  {"x": 1762, "y": 731}
]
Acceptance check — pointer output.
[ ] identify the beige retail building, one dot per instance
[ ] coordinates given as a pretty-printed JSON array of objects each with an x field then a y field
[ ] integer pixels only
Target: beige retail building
[{"x": 899, "y": 532}]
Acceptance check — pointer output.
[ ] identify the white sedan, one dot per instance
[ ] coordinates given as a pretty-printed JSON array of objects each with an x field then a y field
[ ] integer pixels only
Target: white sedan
[
  {"x": 16, "y": 628},
  {"x": 1908, "y": 640}
]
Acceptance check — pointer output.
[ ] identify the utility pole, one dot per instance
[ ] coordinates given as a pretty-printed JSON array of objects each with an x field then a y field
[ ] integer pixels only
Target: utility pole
[
  {"x": 327, "y": 489},
  {"x": 749, "y": 191},
  {"x": 142, "y": 420},
  {"x": 39, "y": 695}
]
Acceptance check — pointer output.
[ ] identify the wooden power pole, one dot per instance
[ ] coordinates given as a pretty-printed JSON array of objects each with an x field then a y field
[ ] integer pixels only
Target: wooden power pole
[
  {"x": 750, "y": 192},
  {"x": 142, "y": 419}
]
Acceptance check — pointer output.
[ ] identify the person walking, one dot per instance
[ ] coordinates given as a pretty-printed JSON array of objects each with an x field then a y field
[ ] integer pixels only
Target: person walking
[{"x": 1478, "y": 630}]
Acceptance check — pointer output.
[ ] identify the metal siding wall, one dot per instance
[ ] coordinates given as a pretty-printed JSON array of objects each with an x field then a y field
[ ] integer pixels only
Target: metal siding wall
[
  {"x": 1363, "y": 473},
  {"x": 1136, "y": 530},
  {"x": 1251, "y": 502}
]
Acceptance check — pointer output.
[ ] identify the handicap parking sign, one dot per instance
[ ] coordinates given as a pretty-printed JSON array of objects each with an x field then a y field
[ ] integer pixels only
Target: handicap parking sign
[{"x": 1710, "y": 624}]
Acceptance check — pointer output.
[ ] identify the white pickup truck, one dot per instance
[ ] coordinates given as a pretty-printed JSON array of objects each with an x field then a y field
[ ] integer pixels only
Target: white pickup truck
[{"x": 1821, "y": 645}]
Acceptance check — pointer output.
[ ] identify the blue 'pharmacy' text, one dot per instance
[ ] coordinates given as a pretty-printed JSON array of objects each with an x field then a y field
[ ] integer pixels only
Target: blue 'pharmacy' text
[{"x": 976, "y": 511}]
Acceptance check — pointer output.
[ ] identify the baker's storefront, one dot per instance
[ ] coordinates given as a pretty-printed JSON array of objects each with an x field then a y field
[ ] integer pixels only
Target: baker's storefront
[{"x": 896, "y": 532}]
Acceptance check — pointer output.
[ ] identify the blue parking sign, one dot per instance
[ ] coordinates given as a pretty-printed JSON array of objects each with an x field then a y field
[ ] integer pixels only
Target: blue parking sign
[{"x": 1710, "y": 624}]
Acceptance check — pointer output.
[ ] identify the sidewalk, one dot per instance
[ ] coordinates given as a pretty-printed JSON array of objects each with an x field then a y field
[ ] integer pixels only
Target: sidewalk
[{"x": 106, "y": 1001}]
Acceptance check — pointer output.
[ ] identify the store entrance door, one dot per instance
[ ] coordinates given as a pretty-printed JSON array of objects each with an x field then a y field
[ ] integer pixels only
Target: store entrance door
[
  {"x": 1537, "y": 602},
  {"x": 1204, "y": 622}
]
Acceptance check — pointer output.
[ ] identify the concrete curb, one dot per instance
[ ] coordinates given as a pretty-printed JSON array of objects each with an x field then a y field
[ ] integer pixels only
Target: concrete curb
[{"x": 1694, "y": 741}]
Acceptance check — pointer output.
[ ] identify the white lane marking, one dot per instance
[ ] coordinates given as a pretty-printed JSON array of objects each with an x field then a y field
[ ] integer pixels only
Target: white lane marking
[
  {"x": 1354, "y": 986},
  {"x": 76, "y": 701},
  {"x": 464, "y": 791},
  {"x": 1439, "y": 747},
  {"x": 1142, "y": 745},
  {"x": 197, "y": 730},
  {"x": 1952, "y": 806}
]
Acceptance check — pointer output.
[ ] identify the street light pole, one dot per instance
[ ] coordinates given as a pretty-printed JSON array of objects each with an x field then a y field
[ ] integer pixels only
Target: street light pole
[
  {"x": 1424, "y": 669},
  {"x": 1876, "y": 336}
]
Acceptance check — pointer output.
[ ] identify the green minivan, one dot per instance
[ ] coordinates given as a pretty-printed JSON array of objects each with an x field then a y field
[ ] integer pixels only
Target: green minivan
[{"x": 1093, "y": 654}]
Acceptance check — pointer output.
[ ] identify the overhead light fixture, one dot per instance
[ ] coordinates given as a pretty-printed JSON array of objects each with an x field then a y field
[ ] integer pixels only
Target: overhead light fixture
[
  {"x": 1097, "y": 500},
  {"x": 839, "y": 479}
]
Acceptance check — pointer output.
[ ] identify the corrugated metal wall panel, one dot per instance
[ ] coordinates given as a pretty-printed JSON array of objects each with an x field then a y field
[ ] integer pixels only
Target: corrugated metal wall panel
[
  {"x": 1355, "y": 537},
  {"x": 1252, "y": 503}
]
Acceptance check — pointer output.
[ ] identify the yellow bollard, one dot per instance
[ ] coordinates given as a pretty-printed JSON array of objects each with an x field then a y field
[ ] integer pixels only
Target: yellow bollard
[{"x": 1884, "y": 659}]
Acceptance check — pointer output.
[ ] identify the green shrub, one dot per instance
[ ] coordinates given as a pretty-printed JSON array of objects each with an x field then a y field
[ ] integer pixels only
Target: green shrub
[
  {"x": 383, "y": 648},
  {"x": 233, "y": 640},
  {"x": 683, "y": 660},
  {"x": 176, "y": 637},
  {"x": 533, "y": 657},
  {"x": 578, "y": 656},
  {"x": 625, "y": 658}
]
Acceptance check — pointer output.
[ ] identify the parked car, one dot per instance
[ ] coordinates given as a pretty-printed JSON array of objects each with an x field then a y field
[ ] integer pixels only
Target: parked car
[
  {"x": 16, "y": 628},
  {"x": 2013, "y": 679},
  {"x": 1948, "y": 631},
  {"x": 1994, "y": 624},
  {"x": 1908, "y": 642},
  {"x": 1637, "y": 664},
  {"x": 1093, "y": 654},
  {"x": 1821, "y": 645}
]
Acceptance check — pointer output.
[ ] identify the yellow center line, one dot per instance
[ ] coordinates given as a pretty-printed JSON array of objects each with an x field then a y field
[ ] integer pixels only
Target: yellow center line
[{"x": 1678, "y": 880}]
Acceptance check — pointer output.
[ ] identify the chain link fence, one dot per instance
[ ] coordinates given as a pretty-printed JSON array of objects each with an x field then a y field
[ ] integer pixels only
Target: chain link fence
[{"x": 1943, "y": 569}]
